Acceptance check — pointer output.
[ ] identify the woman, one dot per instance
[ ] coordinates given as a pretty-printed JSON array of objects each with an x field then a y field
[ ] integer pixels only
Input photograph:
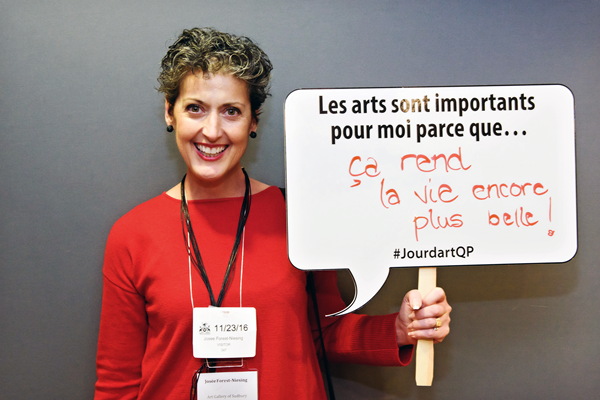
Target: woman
[{"x": 173, "y": 253}]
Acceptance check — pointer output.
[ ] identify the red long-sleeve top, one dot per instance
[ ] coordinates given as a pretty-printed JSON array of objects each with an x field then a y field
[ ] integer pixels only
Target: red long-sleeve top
[{"x": 145, "y": 342}]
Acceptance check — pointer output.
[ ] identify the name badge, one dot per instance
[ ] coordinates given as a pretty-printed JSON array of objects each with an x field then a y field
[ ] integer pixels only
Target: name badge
[
  {"x": 228, "y": 385},
  {"x": 224, "y": 332}
]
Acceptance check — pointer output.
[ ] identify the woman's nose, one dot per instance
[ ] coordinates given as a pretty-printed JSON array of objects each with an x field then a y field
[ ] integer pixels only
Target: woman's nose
[{"x": 212, "y": 127}]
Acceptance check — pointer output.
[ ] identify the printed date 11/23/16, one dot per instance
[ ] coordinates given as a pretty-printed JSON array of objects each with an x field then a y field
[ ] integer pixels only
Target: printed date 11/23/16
[{"x": 231, "y": 328}]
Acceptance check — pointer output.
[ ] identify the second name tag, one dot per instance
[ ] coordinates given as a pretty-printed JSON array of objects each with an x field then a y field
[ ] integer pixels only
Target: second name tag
[{"x": 224, "y": 332}]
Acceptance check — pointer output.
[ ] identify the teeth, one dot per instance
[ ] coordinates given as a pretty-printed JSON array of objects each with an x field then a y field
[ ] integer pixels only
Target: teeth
[{"x": 210, "y": 151}]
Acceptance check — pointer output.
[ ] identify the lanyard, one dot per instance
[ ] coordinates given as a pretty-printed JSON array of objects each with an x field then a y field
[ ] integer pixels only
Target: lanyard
[
  {"x": 241, "y": 270},
  {"x": 195, "y": 256}
]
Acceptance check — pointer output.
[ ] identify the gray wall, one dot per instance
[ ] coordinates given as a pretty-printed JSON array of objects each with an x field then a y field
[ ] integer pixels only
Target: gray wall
[{"x": 82, "y": 141}]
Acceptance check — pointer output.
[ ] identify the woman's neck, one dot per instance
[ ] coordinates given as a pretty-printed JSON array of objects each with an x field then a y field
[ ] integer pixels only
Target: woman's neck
[{"x": 198, "y": 189}]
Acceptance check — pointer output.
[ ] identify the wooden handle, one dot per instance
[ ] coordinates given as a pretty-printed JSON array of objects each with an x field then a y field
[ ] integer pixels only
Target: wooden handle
[{"x": 424, "y": 362}]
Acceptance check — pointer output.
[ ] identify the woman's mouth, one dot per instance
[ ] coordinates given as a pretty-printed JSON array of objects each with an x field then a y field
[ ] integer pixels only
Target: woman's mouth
[{"x": 210, "y": 152}]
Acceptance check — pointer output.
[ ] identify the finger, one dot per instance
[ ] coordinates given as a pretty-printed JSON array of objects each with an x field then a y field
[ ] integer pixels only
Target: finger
[
  {"x": 430, "y": 323},
  {"x": 420, "y": 324},
  {"x": 413, "y": 298},
  {"x": 430, "y": 334},
  {"x": 434, "y": 311},
  {"x": 437, "y": 295}
]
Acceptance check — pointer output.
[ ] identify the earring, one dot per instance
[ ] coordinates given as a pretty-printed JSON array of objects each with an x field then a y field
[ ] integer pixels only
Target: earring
[
  {"x": 170, "y": 128},
  {"x": 252, "y": 134}
]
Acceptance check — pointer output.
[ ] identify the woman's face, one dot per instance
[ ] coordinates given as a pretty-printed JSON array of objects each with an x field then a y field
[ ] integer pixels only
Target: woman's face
[{"x": 212, "y": 119}]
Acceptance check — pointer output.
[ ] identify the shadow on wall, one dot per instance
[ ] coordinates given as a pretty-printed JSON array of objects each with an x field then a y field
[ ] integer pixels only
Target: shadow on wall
[
  {"x": 348, "y": 390},
  {"x": 502, "y": 303}
]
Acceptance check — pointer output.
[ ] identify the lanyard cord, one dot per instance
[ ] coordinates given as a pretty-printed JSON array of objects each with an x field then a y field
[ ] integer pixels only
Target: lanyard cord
[
  {"x": 241, "y": 269},
  {"x": 196, "y": 258},
  {"x": 242, "y": 264}
]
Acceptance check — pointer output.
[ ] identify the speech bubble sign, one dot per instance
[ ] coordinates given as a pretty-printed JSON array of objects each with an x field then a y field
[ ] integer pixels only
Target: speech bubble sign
[{"x": 379, "y": 178}]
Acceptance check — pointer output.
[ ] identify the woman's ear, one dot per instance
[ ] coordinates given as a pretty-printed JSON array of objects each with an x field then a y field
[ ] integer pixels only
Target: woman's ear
[
  {"x": 168, "y": 112},
  {"x": 254, "y": 123}
]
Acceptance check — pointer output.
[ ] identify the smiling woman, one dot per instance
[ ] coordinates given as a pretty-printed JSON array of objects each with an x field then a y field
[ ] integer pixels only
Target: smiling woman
[
  {"x": 161, "y": 322},
  {"x": 214, "y": 84}
]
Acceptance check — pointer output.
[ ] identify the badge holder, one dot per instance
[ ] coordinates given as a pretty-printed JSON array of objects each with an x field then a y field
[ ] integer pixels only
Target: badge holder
[
  {"x": 223, "y": 337},
  {"x": 225, "y": 363}
]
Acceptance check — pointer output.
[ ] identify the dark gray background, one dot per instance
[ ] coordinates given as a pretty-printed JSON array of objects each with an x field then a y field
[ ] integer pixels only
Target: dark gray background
[{"x": 82, "y": 141}]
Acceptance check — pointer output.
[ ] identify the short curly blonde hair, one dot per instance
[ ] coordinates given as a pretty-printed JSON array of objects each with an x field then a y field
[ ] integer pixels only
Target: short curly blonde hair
[{"x": 211, "y": 51}]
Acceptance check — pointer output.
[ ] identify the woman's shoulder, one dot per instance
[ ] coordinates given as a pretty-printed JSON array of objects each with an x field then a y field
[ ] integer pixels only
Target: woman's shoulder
[
  {"x": 270, "y": 194},
  {"x": 155, "y": 205},
  {"x": 151, "y": 211}
]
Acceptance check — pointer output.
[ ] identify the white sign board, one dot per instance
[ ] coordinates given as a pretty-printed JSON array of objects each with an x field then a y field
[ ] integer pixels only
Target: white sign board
[{"x": 429, "y": 176}]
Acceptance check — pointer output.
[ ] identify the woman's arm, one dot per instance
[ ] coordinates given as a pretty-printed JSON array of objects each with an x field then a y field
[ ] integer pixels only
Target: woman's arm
[
  {"x": 123, "y": 328},
  {"x": 355, "y": 338}
]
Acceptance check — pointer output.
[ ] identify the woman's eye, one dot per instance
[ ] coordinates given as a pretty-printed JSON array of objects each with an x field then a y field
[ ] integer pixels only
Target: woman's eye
[
  {"x": 232, "y": 111},
  {"x": 193, "y": 108}
]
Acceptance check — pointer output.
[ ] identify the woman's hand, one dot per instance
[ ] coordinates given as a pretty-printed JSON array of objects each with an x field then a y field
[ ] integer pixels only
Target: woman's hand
[{"x": 427, "y": 318}]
